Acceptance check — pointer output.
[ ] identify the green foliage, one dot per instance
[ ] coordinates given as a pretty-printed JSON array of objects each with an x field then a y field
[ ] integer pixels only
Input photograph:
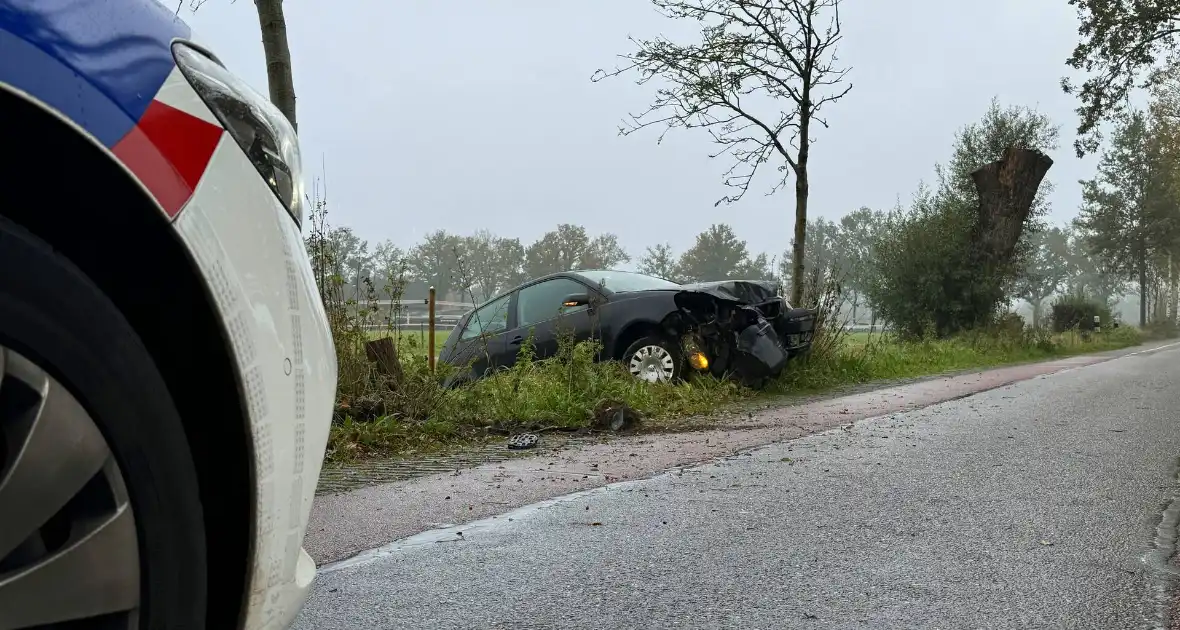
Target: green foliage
[
  {"x": 919, "y": 279},
  {"x": 570, "y": 247},
  {"x": 1071, "y": 312},
  {"x": 1162, "y": 329},
  {"x": 887, "y": 357},
  {"x": 1131, "y": 208},
  {"x": 924, "y": 280},
  {"x": 718, "y": 254},
  {"x": 659, "y": 261},
  {"x": 1122, "y": 42},
  {"x": 1046, "y": 268}
]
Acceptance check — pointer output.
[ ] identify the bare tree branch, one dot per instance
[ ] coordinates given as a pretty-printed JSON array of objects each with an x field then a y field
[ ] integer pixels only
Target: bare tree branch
[{"x": 756, "y": 82}]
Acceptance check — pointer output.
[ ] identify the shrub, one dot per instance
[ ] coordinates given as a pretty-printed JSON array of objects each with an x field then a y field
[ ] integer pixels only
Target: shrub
[
  {"x": 1162, "y": 329},
  {"x": 1071, "y": 312}
]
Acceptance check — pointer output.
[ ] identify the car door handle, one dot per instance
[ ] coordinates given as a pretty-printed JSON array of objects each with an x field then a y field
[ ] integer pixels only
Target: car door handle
[{"x": 516, "y": 341}]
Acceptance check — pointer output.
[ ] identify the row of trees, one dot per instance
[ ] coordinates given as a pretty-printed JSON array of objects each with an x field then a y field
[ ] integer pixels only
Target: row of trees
[
  {"x": 478, "y": 266},
  {"x": 1131, "y": 207}
]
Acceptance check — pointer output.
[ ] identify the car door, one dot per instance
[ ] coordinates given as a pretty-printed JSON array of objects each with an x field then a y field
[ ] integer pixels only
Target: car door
[
  {"x": 483, "y": 341},
  {"x": 540, "y": 309}
]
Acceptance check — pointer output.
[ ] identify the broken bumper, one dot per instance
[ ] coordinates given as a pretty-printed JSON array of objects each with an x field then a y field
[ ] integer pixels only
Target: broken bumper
[{"x": 761, "y": 348}]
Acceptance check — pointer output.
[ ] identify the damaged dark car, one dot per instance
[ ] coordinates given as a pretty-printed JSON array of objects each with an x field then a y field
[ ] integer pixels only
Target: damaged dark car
[{"x": 661, "y": 330}]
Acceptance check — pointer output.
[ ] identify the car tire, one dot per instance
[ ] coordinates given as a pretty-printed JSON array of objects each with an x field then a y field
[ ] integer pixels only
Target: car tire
[
  {"x": 658, "y": 355},
  {"x": 93, "y": 397}
]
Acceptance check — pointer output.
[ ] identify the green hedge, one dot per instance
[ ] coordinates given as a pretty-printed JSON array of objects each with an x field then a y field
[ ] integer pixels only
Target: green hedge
[{"x": 1073, "y": 312}]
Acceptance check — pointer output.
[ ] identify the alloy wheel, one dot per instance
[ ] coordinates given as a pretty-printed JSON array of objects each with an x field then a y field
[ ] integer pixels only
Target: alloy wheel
[
  {"x": 653, "y": 364},
  {"x": 68, "y": 543}
]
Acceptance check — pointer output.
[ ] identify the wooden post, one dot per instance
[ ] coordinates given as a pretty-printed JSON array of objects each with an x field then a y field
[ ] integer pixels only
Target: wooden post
[{"x": 430, "y": 328}]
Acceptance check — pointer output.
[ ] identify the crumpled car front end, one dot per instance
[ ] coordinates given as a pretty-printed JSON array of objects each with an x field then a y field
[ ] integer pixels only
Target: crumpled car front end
[{"x": 742, "y": 329}]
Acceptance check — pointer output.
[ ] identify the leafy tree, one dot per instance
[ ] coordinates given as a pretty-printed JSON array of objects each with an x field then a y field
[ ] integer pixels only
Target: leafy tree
[
  {"x": 858, "y": 230},
  {"x": 436, "y": 262},
  {"x": 985, "y": 141},
  {"x": 569, "y": 247},
  {"x": 718, "y": 254},
  {"x": 508, "y": 260},
  {"x": 1128, "y": 223},
  {"x": 1046, "y": 270},
  {"x": 390, "y": 268},
  {"x": 344, "y": 258},
  {"x": 1123, "y": 43},
  {"x": 659, "y": 261},
  {"x": 924, "y": 277},
  {"x": 760, "y": 267},
  {"x": 1088, "y": 277},
  {"x": 917, "y": 258},
  {"x": 492, "y": 263},
  {"x": 822, "y": 251},
  {"x": 604, "y": 252},
  {"x": 756, "y": 82}
]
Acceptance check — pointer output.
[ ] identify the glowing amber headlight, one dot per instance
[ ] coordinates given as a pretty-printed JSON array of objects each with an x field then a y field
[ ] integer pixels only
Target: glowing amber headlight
[{"x": 698, "y": 360}]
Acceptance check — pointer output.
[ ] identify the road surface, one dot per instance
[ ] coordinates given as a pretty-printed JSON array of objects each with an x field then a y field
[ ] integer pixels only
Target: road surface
[{"x": 1047, "y": 503}]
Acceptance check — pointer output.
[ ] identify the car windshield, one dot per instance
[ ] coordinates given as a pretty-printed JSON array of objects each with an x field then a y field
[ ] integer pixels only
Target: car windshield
[{"x": 624, "y": 281}]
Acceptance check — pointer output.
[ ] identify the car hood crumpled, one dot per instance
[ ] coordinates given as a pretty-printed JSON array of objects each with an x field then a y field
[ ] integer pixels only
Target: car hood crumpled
[{"x": 742, "y": 291}]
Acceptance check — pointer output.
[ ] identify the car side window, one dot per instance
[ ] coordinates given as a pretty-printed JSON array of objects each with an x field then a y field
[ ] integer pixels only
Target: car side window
[
  {"x": 542, "y": 302},
  {"x": 489, "y": 319}
]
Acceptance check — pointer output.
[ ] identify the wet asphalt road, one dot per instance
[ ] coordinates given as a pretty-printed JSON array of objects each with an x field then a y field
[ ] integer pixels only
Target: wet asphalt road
[{"x": 1036, "y": 505}]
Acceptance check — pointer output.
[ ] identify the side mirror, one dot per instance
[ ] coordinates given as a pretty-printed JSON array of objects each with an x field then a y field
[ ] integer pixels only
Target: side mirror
[{"x": 577, "y": 299}]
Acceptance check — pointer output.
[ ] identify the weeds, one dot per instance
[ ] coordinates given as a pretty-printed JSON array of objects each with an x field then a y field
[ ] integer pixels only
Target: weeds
[{"x": 890, "y": 358}]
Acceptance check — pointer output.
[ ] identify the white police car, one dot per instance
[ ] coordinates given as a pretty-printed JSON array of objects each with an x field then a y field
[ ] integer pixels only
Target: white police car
[{"x": 166, "y": 370}]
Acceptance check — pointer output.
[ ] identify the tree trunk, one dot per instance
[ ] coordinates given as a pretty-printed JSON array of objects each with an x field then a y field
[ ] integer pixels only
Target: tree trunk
[
  {"x": 1143, "y": 288},
  {"x": 1173, "y": 301},
  {"x": 800, "y": 210},
  {"x": 1157, "y": 311},
  {"x": 278, "y": 57},
  {"x": 1006, "y": 190},
  {"x": 797, "y": 268},
  {"x": 1036, "y": 314}
]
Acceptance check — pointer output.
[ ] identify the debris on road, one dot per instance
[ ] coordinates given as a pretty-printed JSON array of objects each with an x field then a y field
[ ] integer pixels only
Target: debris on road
[
  {"x": 614, "y": 416},
  {"x": 522, "y": 441}
]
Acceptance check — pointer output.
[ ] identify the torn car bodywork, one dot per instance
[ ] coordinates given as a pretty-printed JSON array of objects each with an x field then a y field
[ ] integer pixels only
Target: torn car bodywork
[{"x": 744, "y": 329}]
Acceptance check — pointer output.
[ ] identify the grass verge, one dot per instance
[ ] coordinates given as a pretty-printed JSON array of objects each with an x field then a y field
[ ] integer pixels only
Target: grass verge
[{"x": 562, "y": 392}]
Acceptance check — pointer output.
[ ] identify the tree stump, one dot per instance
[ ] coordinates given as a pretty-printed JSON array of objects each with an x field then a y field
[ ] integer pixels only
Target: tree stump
[
  {"x": 383, "y": 353},
  {"x": 1006, "y": 190}
]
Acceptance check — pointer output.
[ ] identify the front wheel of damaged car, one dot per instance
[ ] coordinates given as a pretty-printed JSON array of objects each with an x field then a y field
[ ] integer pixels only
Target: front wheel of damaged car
[
  {"x": 100, "y": 517},
  {"x": 654, "y": 359}
]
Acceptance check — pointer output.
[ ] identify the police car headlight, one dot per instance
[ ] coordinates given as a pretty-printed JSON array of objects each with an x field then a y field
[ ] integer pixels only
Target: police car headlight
[{"x": 259, "y": 128}]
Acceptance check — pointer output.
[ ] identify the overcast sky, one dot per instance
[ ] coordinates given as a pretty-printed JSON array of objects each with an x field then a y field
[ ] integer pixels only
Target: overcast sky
[{"x": 466, "y": 114}]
